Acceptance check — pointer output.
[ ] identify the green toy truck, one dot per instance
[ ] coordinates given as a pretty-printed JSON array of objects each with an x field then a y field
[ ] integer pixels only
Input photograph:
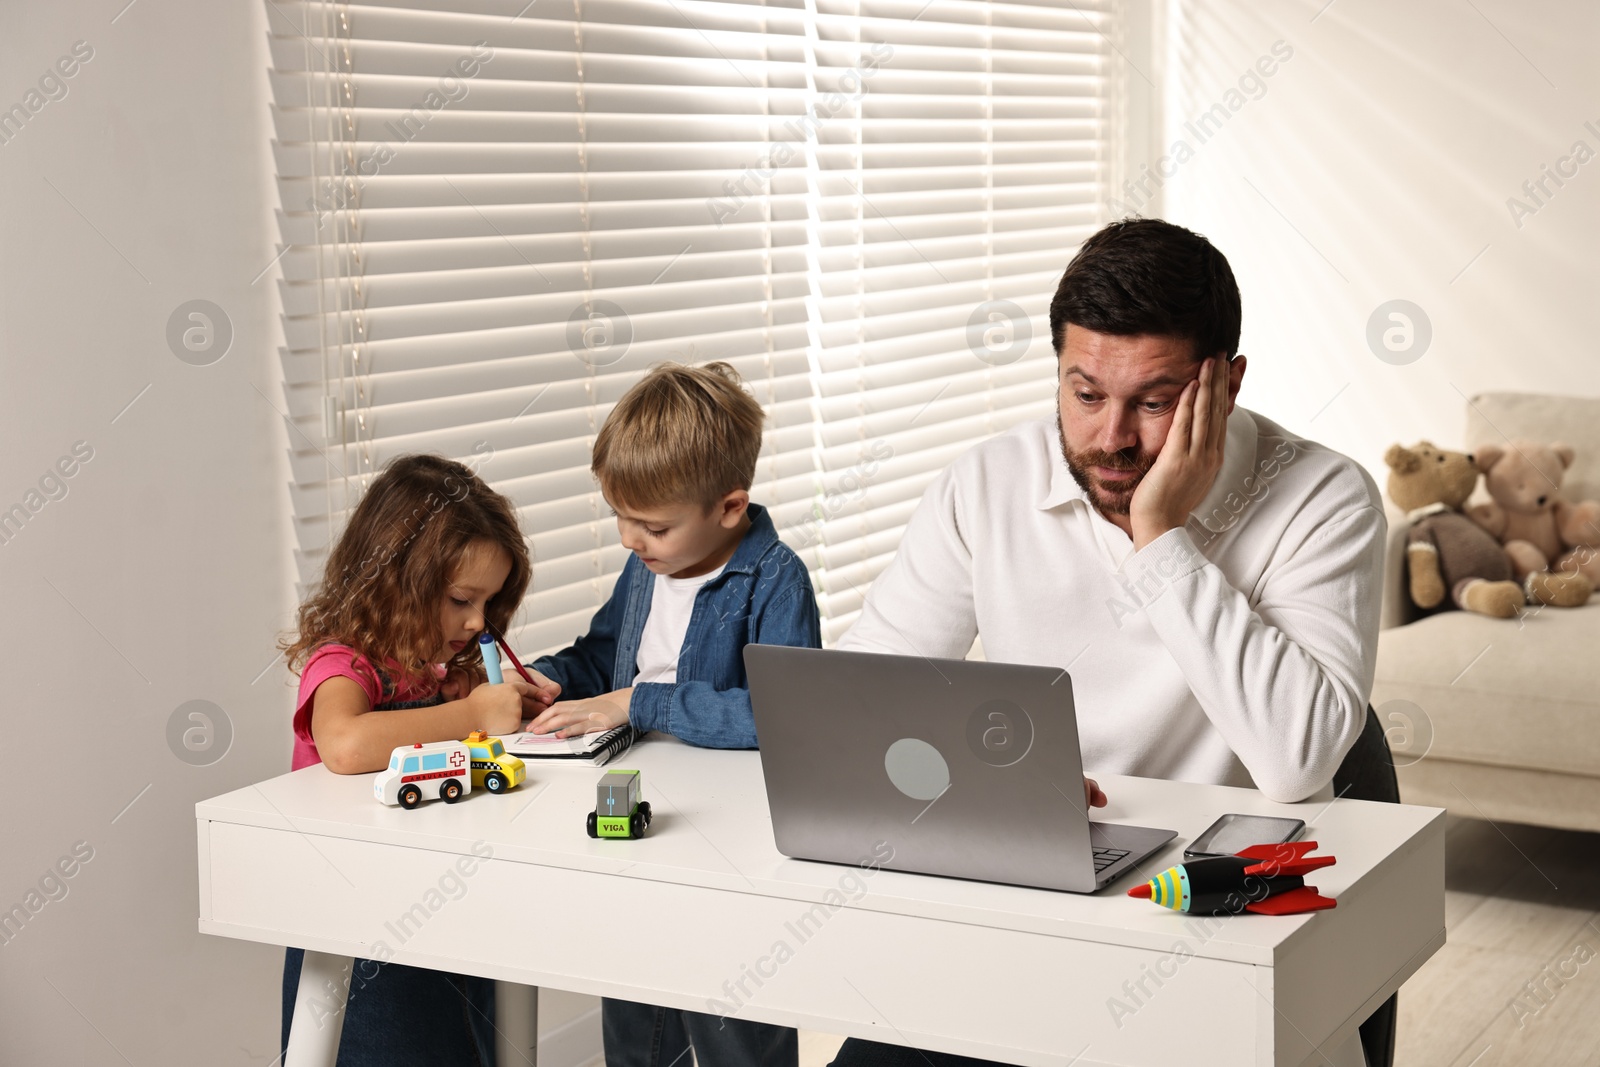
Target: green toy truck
[{"x": 618, "y": 811}]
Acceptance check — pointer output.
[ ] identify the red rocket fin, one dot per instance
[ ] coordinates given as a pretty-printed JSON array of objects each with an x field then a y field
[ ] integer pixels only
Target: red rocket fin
[
  {"x": 1293, "y": 902},
  {"x": 1305, "y": 866},
  {"x": 1279, "y": 850},
  {"x": 1286, "y": 858},
  {"x": 1282, "y": 850}
]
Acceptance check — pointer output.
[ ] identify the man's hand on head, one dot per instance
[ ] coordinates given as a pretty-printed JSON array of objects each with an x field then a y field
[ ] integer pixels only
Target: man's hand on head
[{"x": 1189, "y": 460}]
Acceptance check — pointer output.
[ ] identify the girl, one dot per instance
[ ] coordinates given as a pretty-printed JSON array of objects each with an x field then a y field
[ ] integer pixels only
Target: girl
[{"x": 430, "y": 557}]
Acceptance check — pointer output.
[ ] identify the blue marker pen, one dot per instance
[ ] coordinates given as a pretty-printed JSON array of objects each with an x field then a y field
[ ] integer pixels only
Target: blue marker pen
[{"x": 491, "y": 659}]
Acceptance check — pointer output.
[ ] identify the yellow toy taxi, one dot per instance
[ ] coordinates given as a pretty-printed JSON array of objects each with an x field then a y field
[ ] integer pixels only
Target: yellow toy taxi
[{"x": 492, "y": 767}]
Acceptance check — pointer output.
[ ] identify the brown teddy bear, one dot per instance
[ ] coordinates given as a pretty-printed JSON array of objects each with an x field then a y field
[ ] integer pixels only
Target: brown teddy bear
[
  {"x": 1541, "y": 532},
  {"x": 1446, "y": 552}
]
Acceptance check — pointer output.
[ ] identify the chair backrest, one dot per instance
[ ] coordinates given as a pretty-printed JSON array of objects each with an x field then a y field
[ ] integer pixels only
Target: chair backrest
[
  {"x": 1493, "y": 418},
  {"x": 1367, "y": 772}
]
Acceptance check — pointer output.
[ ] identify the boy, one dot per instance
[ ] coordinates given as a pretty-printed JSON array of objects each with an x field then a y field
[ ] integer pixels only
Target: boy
[{"x": 708, "y": 575}]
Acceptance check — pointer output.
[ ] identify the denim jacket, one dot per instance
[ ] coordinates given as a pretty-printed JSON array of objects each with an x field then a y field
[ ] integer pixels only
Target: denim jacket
[{"x": 763, "y": 596}]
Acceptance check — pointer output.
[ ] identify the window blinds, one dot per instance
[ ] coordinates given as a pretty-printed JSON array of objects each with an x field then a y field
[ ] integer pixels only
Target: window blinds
[{"x": 497, "y": 215}]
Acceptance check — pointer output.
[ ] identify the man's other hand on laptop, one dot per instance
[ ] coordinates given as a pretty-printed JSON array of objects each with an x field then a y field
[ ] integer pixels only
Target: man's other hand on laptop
[{"x": 1092, "y": 795}]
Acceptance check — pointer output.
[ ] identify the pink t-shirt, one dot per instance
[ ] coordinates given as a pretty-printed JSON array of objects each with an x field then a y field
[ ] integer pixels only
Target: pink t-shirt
[{"x": 342, "y": 661}]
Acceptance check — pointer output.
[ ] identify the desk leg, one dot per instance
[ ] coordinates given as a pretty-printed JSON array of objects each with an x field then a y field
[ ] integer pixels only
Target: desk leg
[
  {"x": 516, "y": 1009},
  {"x": 319, "y": 1011}
]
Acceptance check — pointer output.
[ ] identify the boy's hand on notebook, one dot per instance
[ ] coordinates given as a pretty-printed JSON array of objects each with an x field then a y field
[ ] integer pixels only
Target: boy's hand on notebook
[
  {"x": 1092, "y": 796},
  {"x": 501, "y": 708},
  {"x": 569, "y": 718},
  {"x": 548, "y": 691}
]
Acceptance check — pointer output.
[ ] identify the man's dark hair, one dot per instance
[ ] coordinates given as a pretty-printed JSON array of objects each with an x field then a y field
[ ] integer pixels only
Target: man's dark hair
[{"x": 1147, "y": 276}]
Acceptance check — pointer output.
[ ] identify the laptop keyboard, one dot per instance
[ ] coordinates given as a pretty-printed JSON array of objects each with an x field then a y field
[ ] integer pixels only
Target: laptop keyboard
[{"x": 1105, "y": 857}]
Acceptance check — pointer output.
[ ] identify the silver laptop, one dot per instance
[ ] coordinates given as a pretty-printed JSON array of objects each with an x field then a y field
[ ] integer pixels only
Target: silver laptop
[{"x": 951, "y": 767}]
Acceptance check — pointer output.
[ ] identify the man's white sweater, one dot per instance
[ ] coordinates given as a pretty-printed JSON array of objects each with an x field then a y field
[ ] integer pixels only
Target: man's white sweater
[{"x": 1238, "y": 650}]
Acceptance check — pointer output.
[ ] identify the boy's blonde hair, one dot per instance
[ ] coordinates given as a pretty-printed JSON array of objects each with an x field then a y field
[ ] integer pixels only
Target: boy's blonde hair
[{"x": 682, "y": 435}]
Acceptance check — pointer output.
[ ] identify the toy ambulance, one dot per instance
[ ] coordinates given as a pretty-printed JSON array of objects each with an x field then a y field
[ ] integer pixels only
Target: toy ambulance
[
  {"x": 618, "y": 810},
  {"x": 439, "y": 769},
  {"x": 492, "y": 768}
]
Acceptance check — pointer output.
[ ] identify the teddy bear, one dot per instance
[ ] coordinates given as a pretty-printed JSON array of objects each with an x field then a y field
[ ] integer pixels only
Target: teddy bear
[
  {"x": 1543, "y": 533},
  {"x": 1447, "y": 554}
]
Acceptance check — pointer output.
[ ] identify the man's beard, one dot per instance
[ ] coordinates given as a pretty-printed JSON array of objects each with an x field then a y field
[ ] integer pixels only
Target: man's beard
[{"x": 1108, "y": 498}]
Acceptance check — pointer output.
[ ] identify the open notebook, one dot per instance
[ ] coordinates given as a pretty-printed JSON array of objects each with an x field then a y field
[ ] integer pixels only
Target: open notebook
[{"x": 593, "y": 749}]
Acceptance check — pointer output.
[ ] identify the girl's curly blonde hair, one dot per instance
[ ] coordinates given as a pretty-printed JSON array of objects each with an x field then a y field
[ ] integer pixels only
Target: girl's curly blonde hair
[{"x": 380, "y": 591}]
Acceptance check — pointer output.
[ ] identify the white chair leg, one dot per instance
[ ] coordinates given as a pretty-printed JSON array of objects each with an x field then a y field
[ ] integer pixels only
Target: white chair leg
[
  {"x": 318, "y": 1019},
  {"x": 1349, "y": 1054},
  {"x": 516, "y": 1009}
]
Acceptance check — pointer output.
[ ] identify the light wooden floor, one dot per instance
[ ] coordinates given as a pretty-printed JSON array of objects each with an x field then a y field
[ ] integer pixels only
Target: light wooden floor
[{"x": 1522, "y": 905}]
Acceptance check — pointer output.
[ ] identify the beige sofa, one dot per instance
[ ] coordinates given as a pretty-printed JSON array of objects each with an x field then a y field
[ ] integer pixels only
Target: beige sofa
[{"x": 1497, "y": 719}]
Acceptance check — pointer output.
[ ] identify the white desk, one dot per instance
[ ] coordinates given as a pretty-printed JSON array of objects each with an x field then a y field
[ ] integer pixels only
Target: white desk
[{"x": 681, "y": 917}]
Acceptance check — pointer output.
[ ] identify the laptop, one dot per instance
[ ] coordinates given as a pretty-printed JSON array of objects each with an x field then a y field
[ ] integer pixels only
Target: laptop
[{"x": 960, "y": 768}]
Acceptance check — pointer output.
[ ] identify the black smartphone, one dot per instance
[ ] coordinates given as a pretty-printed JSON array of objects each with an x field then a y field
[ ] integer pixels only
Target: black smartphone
[{"x": 1229, "y": 834}]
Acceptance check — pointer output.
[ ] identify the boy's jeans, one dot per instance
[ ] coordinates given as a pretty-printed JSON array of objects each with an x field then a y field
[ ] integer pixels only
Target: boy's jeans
[
  {"x": 399, "y": 1016},
  {"x": 640, "y": 1035}
]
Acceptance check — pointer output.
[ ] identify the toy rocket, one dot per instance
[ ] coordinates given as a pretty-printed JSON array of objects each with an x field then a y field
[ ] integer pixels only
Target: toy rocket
[{"x": 1266, "y": 879}]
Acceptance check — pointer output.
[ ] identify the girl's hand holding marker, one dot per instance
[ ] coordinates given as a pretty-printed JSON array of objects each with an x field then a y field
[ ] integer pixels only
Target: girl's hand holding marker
[
  {"x": 502, "y": 708},
  {"x": 502, "y": 705}
]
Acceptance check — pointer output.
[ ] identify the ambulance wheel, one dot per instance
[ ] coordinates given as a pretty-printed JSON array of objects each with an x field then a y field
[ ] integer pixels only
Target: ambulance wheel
[
  {"x": 636, "y": 825},
  {"x": 410, "y": 796},
  {"x": 450, "y": 792},
  {"x": 593, "y": 830},
  {"x": 495, "y": 782},
  {"x": 644, "y": 809}
]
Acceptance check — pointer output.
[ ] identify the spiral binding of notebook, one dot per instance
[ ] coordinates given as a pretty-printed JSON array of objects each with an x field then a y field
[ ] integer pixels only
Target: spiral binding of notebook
[{"x": 590, "y": 749}]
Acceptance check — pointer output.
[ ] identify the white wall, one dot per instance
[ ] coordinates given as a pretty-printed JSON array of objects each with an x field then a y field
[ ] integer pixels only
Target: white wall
[
  {"x": 1376, "y": 165},
  {"x": 163, "y": 574}
]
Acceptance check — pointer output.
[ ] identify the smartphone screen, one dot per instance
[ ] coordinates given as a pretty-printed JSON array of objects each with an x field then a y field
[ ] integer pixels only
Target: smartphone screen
[{"x": 1231, "y": 833}]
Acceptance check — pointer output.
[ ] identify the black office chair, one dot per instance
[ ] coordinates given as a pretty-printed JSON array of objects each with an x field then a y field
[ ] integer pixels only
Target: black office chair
[{"x": 1367, "y": 773}]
